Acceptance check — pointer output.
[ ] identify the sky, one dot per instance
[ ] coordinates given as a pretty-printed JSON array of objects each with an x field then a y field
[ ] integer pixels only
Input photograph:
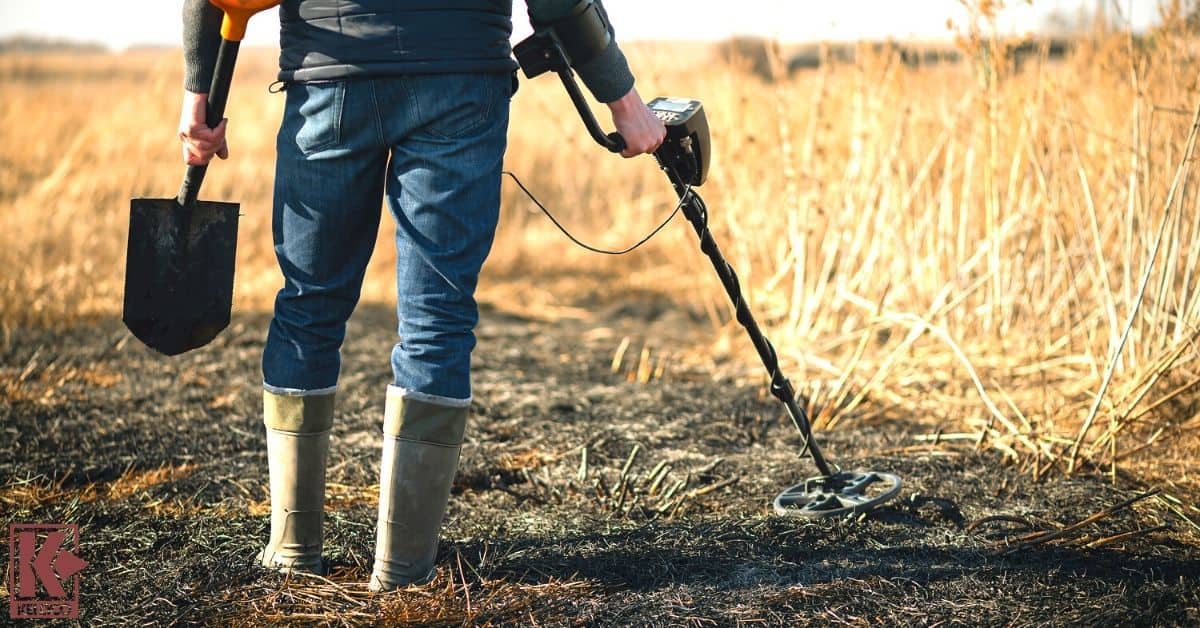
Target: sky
[{"x": 133, "y": 22}]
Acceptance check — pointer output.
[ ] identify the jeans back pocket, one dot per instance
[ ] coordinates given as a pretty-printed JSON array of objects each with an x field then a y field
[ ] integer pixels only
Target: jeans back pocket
[
  {"x": 459, "y": 105},
  {"x": 318, "y": 107}
]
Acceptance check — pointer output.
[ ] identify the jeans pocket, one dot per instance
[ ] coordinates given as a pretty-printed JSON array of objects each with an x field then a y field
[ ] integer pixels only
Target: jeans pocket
[
  {"x": 319, "y": 108},
  {"x": 457, "y": 106}
]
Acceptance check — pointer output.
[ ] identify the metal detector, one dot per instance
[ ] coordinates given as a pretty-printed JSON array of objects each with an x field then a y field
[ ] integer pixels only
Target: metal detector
[{"x": 685, "y": 156}]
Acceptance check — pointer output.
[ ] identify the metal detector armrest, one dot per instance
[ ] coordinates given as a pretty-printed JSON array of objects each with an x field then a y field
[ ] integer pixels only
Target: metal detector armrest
[
  {"x": 574, "y": 40},
  {"x": 571, "y": 41},
  {"x": 538, "y": 54}
]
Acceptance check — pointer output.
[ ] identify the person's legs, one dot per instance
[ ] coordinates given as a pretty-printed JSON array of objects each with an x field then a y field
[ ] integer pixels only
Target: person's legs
[
  {"x": 328, "y": 189},
  {"x": 443, "y": 189}
]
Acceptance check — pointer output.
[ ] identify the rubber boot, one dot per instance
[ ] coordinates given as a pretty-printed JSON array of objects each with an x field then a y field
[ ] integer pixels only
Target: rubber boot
[
  {"x": 297, "y": 448},
  {"x": 421, "y": 443}
]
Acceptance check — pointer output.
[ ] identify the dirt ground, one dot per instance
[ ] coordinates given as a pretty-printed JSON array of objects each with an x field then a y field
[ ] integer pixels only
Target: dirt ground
[{"x": 162, "y": 464}]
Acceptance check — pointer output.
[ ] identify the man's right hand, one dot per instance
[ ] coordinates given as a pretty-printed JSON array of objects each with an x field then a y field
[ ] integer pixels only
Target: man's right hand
[{"x": 200, "y": 143}]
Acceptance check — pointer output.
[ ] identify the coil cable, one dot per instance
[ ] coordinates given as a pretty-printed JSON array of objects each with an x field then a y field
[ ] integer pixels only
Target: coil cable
[
  {"x": 582, "y": 244},
  {"x": 779, "y": 383}
]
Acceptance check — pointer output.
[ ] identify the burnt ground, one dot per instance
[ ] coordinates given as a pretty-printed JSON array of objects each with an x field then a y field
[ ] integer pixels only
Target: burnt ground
[{"x": 162, "y": 464}]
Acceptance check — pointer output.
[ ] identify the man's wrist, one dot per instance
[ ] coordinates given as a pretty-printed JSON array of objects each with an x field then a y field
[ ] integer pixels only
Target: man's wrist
[{"x": 628, "y": 102}]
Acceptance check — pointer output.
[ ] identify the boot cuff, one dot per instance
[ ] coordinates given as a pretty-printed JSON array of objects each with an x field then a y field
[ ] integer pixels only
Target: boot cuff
[
  {"x": 437, "y": 400},
  {"x": 303, "y": 414},
  {"x": 417, "y": 417}
]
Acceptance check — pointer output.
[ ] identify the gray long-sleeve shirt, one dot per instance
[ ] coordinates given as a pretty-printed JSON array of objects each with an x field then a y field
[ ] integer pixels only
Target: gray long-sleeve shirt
[{"x": 330, "y": 39}]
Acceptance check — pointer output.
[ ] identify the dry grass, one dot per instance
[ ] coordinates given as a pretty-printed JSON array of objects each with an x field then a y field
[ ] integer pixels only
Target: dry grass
[
  {"x": 48, "y": 380},
  {"x": 40, "y": 491},
  {"x": 1010, "y": 255},
  {"x": 455, "y": 598}
]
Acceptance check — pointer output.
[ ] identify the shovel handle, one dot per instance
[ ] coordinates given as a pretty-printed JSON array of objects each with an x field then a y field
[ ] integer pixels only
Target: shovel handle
[
  {"x": 218, "y": 95},
  {"x": 233, "y": 29}
]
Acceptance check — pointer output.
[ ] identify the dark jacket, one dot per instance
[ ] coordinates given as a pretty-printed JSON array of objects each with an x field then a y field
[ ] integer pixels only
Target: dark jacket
[
  {"x": 324, "y": 39},
  {"x": 336, "y": 39}
]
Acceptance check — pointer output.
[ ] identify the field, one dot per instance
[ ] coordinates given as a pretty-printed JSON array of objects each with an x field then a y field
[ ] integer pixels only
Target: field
[{"x": 983, "y": 278}]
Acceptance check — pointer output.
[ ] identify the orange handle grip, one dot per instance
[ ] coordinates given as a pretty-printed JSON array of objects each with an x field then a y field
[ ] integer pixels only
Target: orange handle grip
[{"x": 237, "y": 15}]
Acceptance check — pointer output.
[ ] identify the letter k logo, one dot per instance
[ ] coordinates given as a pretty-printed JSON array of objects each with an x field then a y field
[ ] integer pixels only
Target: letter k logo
[{"x": 51, "y": 564}]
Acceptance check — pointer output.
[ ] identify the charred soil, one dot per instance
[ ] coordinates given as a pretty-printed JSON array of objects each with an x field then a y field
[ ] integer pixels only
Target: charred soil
[{"x": 593, "y": 490}]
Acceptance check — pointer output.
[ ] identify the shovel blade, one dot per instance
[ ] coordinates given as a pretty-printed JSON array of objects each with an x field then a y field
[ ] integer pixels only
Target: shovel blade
[{"x": 179, "y": 272}]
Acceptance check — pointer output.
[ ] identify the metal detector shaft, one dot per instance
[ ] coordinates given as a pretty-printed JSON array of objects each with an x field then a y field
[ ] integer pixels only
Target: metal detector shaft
[{"x": 781, "y": 388}]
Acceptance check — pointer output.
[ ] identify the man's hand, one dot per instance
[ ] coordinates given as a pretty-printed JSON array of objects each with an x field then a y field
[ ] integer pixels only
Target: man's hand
[
  {"x": 643, "y": 132},
  {"x": 200, "y": 143}
]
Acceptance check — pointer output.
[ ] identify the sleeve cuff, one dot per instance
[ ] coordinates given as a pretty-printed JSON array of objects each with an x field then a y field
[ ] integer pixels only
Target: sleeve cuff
[
  {"x": 196, "y": 80},
  {"x": 201, "y": 43},
  {"x": 607, "y": 76}
]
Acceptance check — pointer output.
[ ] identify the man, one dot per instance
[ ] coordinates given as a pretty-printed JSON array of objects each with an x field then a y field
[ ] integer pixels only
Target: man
[{"x": 408, "y": 99}]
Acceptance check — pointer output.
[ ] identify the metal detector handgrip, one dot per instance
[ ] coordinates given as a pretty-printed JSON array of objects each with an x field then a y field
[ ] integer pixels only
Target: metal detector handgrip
[{"x": 612, "y": 141}]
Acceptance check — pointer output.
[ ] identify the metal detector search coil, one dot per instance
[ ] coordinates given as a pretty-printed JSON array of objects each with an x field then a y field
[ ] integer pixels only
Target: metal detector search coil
[{"x": 845, "y": 493}]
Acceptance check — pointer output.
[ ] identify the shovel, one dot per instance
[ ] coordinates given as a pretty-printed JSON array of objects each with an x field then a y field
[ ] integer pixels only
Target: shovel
[{"x": 179, "y": 264}]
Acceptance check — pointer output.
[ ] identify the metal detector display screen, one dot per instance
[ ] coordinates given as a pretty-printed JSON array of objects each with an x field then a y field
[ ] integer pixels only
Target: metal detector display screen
[
  {"x": 674, "y": 111},
  {"x": 677, "y": 105}
]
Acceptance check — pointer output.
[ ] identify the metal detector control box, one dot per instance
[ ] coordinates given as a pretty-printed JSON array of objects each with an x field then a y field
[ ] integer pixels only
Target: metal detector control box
[{"x": 686, "y": 149}]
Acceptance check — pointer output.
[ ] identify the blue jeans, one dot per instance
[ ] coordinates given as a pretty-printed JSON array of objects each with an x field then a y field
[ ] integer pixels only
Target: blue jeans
[{"x": 434, "y": 145}]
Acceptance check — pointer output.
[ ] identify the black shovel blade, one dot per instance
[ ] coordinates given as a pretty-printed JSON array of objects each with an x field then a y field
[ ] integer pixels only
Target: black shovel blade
[{"x": 179, "y": 272}]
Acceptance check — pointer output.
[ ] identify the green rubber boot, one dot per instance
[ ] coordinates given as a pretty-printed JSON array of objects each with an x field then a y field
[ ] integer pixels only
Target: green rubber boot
[
  {"x": 421, "y": 442},
  {"x": 297, "y": 447}
]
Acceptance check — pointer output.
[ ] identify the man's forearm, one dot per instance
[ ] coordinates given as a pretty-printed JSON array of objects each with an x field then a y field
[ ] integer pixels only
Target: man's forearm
[
  {"x": 607, "y": 76},
  {"x": 201, "y": 41}
]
